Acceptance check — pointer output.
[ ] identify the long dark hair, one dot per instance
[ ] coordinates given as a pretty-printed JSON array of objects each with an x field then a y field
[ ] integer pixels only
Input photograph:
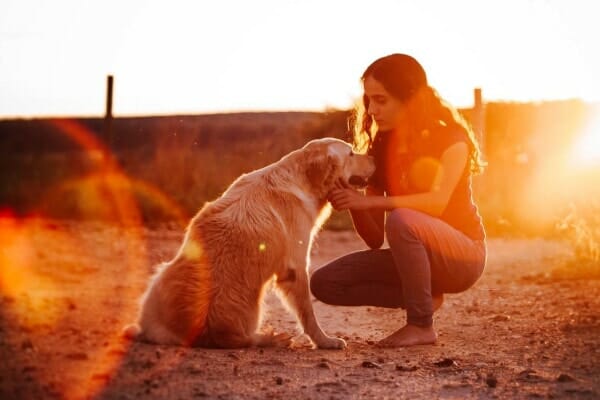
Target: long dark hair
[{"x": 404, "y": 78}]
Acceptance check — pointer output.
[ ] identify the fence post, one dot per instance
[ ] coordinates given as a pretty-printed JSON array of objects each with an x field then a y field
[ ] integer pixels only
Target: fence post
[
  {"x": 479, "y": 118},
  {"x": 108, "y": 133}
]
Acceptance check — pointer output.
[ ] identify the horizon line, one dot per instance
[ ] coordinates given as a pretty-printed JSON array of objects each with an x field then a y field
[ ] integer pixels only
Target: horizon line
[{"x": 592, "y": 103}]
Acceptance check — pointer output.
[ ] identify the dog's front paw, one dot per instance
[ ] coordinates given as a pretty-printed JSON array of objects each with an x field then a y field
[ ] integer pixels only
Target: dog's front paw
[{"x": 331, "y": 343}]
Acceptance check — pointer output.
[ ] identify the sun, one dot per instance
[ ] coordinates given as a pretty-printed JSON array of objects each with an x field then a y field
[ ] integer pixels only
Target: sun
[{"x": 586, "y": 150}]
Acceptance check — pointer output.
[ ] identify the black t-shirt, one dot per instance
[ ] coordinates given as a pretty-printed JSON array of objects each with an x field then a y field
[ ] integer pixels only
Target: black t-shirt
[{"x": 400, "y": 172}]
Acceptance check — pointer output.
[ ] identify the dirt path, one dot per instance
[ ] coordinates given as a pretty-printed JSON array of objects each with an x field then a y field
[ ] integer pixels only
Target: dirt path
[{"x": 66, "y": 290}]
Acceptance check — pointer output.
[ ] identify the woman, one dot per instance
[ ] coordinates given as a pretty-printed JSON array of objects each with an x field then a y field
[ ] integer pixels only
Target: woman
[{"x": 425, "y": 156}]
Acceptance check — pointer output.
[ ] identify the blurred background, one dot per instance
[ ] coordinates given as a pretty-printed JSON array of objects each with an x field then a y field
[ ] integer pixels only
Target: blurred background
[{"x": 142, "y": 111}]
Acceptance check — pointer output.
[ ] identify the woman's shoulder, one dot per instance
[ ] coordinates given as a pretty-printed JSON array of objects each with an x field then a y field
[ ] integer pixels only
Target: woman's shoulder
[
  {"x": 453, "y": 131},
  {"x": 441, "y": 136}
]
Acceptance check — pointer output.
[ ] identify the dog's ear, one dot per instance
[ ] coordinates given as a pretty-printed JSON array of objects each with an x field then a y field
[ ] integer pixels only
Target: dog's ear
[
  {"x": 331, "y": 172},
  {"x": 314, "y": 167},
  {"x": 322, "y": 171}
]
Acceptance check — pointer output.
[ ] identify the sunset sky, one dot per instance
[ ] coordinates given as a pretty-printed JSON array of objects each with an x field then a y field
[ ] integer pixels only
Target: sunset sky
[{"x": 212, "y": 56}]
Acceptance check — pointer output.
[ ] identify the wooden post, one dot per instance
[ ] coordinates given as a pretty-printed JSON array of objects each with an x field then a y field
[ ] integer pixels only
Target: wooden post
[
  {"x": 479, "y": 118},
  {"x": 108, "y": 134}
]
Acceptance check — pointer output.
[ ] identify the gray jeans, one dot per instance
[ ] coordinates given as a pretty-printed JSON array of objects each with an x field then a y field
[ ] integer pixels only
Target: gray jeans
[{"x": 425, "y": 257}]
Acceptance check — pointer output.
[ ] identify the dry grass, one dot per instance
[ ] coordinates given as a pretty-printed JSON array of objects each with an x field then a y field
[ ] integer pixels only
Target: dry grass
[
  {"x": 581, "y": 228},
  {"x": 175, "y": 164}
]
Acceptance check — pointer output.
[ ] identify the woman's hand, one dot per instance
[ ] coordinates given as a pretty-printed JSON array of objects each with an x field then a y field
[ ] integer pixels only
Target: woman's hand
[{"x": 343, "y": 197}]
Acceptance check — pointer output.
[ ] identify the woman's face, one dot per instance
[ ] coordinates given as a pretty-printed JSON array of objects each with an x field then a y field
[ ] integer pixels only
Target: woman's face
[{"x": 387, "y": 111}]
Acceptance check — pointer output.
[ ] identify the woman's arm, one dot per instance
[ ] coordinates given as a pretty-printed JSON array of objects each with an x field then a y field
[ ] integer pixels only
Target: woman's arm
[
  {"x": 369, "y": 224},
  {"x": 432, "y": 202}
]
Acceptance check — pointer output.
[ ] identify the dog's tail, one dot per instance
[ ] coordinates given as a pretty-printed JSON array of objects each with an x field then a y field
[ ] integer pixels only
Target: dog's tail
[{"x": 132, "y": 332}]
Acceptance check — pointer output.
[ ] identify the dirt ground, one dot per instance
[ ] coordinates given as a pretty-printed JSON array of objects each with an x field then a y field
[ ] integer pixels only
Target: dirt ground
[{"x": 67, "y": 289}]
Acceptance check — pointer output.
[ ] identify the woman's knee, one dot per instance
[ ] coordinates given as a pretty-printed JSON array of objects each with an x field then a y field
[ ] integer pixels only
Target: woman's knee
[
  {"x": 320, "y": 283},
  {"x": 401, "y": 223},
  {"x": 334, "y": 282},
  {"x": 329, "y": 283}
]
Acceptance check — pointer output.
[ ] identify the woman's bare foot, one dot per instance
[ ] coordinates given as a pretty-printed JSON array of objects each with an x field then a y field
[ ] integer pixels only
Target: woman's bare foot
[{"x": 409, "y": 335}]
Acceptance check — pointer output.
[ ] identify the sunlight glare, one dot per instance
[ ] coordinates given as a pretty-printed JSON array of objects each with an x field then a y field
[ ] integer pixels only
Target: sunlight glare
[
  {"x": 19, "y": 277},
  {"x": 586, "y": 151}
]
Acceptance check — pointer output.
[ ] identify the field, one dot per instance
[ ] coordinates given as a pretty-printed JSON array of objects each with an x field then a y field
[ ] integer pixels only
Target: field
[
  {"x": 528, "y": 329},
  {"x": 170, "y": 165}
]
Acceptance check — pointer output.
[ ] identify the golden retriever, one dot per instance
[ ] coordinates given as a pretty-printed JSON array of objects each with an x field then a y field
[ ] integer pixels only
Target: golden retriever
[{"x": 260, "y": 230}]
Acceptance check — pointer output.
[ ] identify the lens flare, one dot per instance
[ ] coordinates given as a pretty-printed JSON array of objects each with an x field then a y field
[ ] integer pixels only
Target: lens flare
[
  {"x": 19, "y": 278},
  {"x": 586, "y": 151},
  {"x": 423, "y": 172},
  {"x": 47, "y": 262},
  {"x": 109, "y": 196}
]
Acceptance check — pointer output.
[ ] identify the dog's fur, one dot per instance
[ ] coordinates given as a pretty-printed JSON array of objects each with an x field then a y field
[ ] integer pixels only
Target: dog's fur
[{"x": 261, "y": 229}]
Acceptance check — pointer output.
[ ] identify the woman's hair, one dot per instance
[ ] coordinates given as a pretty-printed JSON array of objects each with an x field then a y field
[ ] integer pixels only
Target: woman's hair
[{"x": 404, "y": 78}]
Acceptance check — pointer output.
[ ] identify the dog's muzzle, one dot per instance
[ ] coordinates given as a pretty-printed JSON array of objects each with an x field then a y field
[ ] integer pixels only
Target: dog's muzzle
[{"x": 358, "y": 181}]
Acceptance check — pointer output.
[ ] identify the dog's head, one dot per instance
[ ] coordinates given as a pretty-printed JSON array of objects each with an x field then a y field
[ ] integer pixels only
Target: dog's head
[{"x": 329, "y": 159}]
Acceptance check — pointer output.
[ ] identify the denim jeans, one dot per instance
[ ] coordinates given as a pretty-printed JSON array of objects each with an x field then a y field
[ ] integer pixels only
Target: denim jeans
[{"x": 426, "y": 257}]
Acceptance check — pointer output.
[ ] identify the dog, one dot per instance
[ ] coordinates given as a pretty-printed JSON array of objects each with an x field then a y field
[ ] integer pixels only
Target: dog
[{"x": 260, "y": 230}]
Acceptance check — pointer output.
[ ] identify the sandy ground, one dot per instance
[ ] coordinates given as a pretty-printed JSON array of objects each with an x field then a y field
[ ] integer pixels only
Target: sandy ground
[{"x": 67, "y": 289}]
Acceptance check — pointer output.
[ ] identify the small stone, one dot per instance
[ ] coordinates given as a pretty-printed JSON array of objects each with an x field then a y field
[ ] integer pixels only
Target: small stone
[
  {"x": 445, "y": 363},
  {"x": 565, "y": 378},
  {"x": 370, "y": 364},
  {"x": 26, "y": 345},
  {"x": 71, "y": 305},
  {"x": 195, "y": 371},
  {"x": 529, "y": 375},
  {"x": 406, "y": 368},
  {"x": 491, "y": 380}
]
